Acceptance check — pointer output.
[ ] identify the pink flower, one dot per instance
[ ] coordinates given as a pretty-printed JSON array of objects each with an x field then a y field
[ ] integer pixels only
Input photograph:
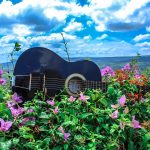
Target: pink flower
[
  {"x": 122, "y": 125},
  {"x": 5, "y": 126},
  {"x": 137, "y": 76},
  {"x": 126, "y": 67},
  {"x": 107, "y": 71},
  {"x": 61, "y": 129},
  {"x": 135, "y": 124},
  {"x": 16, "y": 111},
  {"x": 1, "y": 72},
  {"x": 83, "y": 97},
  {"x": 16, "y": 98},
  {"x": 114, "y": 115},
  {"x": 55, "y": 111},
  {"x": 2, "y": 81},
  {"x": 66, "y": 136},
  {"x": 122, "y": 100},
  {"x": 71, "y": 99},
  {"x": 115, "y": 106},
  {"x": 142, "y": 99},
  {"x": 126, "y": 110},
  {"x": 52, "y": 103}
]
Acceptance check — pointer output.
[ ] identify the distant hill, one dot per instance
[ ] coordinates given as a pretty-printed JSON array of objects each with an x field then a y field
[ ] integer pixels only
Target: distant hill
[{"x": 114, "y": 62}]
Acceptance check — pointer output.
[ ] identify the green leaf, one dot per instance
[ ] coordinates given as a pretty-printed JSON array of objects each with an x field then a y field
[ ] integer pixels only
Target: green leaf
[
  {"x": 2, "y": 107},
  {"x": 103, "y": 102},
  {"x": 57, "y": 148},
  {"x": 44, "y": 115},
  {"x": 5, "y": 145},
  {"x": 66, "y": 146},
  {"x": 110, "y": 90},
  {"x": 17, "y": 46},
  {"x": 15, "y": 141},
  {"x": 28, "y": 136},
  {"x": 29, "y": 145},
  {"x": 85, "y": 115},
  {"x": 68, "y": 123},
  {"x": 131, "y": 145}
]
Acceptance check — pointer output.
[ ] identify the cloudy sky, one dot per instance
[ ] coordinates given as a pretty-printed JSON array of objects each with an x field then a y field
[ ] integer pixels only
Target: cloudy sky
[{"x": 91, "y": 27}]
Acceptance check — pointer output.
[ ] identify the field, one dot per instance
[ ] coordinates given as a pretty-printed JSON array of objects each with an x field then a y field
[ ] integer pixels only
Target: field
[{"x": 115, "y": 119}]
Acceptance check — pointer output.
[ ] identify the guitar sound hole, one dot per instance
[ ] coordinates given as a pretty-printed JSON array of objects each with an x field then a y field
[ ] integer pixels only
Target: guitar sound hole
[{"x": 75, "y": 85}]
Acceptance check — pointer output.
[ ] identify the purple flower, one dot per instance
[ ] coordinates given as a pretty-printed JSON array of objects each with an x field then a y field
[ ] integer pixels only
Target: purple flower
[
  {"x": 66, "y": 136},
  {"x": 136, "y": 72},
  {"x": 55, "y": 111},
  {"x": 5, "y": 126},
  {"x": 15, "y": 97},
  {"x": 26, "y": 120},
  {"x": 52, "y": 103},
  {"x": 107, "y": 71},
  {"x": 2, "y": 81},
  {"x": 1, "y": 72},
  {"x": 83, "y": 97},
  {"x": 16, "y": 111},
  {"x": 10, "y": 104},
  {"x": 122, "y": 100},
  {"x": 126, "y": 67},
  {"x": 30, "y": 110},
  {"x": 114, "y": 115},
  {"x": 135, "y": 124},
  {"x": 71, "y": 99}
]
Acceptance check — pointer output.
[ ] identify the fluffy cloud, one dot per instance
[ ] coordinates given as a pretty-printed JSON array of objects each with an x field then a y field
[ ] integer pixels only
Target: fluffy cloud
[
  {"x": 73, "y": 26},
  {"x": 141, "y": 37},
  {"x": 39, "y": 16},
  {"x": 144, "y": 44},
  {"x": 104, "y": 36},
  {"x": 87, "y": 37},
  {"x": 119, "y": 15},
  {"x": 148, "y": 29}
]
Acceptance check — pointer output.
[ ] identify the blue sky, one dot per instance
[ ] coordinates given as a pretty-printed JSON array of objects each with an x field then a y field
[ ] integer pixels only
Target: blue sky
[{"x": 92, "y": 28}]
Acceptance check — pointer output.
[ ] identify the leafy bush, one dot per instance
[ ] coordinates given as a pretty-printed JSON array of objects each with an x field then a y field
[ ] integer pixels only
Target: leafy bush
[{"x": 117, "y": 119}]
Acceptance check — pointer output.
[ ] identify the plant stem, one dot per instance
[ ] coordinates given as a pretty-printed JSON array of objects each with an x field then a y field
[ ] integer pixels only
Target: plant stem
[{"x": 65, "y": 44}]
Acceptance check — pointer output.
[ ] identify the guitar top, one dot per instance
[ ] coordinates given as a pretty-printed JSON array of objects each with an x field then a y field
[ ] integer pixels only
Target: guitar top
[{"x": 39, "y": 68}]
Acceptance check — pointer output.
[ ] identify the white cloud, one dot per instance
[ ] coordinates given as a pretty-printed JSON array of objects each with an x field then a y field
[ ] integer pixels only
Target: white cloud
[
  {"x": 89, "y": 23},
  {"x": 144, "y": 44},
  {"x": 148, "y": 29},
  {"x": 73, "y": 26},
  {"x": 130, "y": 8},
  {"x": 141, "y": 37},
  {"x": 87, "y": 37},
  {"x": 101, "y": 3},
  {"x": 103, "y": 36},
  {"x": 21, "y": 30}
]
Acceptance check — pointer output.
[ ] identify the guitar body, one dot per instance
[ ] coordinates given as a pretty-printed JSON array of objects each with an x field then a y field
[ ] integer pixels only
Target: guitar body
[{"x": 39, "y": 66}]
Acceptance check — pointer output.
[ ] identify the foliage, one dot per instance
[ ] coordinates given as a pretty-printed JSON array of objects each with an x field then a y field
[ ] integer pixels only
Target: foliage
[{"x": 117, "y": 119}]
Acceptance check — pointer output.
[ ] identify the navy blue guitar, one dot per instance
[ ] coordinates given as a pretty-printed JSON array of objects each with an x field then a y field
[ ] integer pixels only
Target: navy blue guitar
[{"x": 39, "y": 68}]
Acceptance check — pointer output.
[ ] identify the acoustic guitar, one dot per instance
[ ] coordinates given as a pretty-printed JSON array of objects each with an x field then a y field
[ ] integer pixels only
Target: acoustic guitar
[{"x": 41, "y": 69}]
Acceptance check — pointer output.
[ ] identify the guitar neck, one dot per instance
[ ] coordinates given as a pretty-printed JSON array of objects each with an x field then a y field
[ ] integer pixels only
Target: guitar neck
[{"x": 96, "y": 85}]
